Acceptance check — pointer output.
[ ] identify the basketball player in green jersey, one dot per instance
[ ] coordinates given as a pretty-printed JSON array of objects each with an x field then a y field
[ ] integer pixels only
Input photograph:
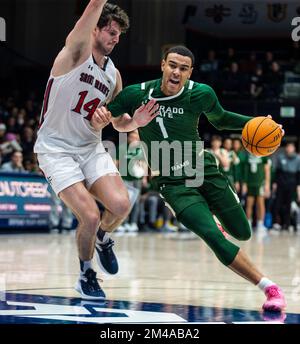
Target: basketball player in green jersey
[{"x": 167, "y": 110}]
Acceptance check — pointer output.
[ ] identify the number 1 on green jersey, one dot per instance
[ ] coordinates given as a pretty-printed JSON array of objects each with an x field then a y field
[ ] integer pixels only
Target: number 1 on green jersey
[{"x": 160, "y": 121}]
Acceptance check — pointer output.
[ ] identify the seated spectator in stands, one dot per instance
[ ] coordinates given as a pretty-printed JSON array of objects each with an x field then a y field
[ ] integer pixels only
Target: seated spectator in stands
[
  {"x": 251, "y": 64},
  {"x": 229, "y": 59},
  {"x": 15, "y": 164},
  {"x": 12, "y": 125},
  {"x": 9, "y": 105},
  {"x": 267, "y": 63},
  {"x": 209, "y": 69},
  {"x": 21, "y": 118},
  {"x": 27, "y": 141},
  {"x": 234, "y": 82},
  {"x": 257, "y": 83},
  {"x": 8, "y": 143},
  {"x": 274, "y": 82},
  {"x": 14, "y": 112},
  {"x": 30, "y": 108},
  {"x": 31, "y": 164}
]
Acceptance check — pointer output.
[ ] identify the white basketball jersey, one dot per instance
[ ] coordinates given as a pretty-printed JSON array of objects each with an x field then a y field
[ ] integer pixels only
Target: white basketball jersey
[{"x": 69, "y": 102}]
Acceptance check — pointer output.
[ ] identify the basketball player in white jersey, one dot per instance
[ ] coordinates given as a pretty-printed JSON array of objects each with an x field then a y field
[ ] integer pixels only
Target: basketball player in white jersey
[{"x": 68, "y": 146}]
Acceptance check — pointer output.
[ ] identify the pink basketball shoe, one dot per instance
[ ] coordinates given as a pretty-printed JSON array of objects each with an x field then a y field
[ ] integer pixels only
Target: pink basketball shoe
[{"x": 275, "y": 299}]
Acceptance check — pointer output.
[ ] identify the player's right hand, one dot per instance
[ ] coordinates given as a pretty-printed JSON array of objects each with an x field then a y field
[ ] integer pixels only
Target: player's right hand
[
  {"x": 101, "y": 118},
  {"x": 145, "y": 113}
]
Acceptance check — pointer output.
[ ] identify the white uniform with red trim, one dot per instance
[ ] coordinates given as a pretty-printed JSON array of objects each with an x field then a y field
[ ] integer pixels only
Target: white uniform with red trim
[
  {"x": 69, "y": 102},
  {"x": 68, "y": 148}
]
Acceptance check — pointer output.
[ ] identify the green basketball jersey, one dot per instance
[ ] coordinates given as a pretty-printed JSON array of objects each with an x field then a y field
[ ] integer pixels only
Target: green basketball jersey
[
  {"x": 176, "y": 126},
  {"x": 254, "y": 169}
]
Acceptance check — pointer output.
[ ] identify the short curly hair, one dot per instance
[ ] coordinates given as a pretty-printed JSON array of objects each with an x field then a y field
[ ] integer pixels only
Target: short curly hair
[{"x": 115, "y": 13}]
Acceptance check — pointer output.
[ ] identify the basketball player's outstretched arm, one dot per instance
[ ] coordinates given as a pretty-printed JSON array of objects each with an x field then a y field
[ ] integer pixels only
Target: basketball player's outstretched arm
[
  {"x": 219, "y": 117},
  {"x": 78, "y": 44},
  {"x": 125, "y": 123}
]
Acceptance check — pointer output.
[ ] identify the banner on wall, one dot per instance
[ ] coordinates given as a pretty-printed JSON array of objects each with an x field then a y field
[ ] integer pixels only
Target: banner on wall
[
  {"x": 25, "y": 200},
  {"x": 242, "y": 18}
]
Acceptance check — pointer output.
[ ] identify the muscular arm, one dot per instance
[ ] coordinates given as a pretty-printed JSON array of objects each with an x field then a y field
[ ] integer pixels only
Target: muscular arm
[
  {"x": 78, "y": 44},
  {"x": 123, "y": 123},
  {"x": 219, "y": 118}
]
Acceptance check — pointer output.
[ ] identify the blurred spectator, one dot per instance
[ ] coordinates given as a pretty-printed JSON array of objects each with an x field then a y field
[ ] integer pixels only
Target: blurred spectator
[
  {"x": 150, "y": 203},
  {"x": 257, "y": 83},
  {"x": 8, "y": 143},
  {"x": 233, "y": 82},
  {"x": 209, "y": 69},
  {"x": 15, "y": 164},
  {"x": 286, "y": 185},
  {"x": 21, "y": 117},
  {"x": 237, "y": 173},
  {"x": 12, "y": 126},
  {"x": 31, "y": 164},
  {"x": 267, "y": 63},
  {"x": 220, "y": 153},
  {"x": 132, "y": 155},
  {"x": 154, "y": 215},
  {"x": 251, "y": 64},
  {"x": 274, "y": 82},
  {"x": 27, "y": 141},
  {"x": 256, "y": 176},
  {"x": 61, "y": 217},
  {"x": 233, "y": 160},
  {"x": 229, "y": 59}
]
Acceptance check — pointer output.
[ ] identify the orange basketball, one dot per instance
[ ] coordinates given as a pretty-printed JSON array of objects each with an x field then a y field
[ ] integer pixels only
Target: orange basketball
[{"x": 261, "y": 136}]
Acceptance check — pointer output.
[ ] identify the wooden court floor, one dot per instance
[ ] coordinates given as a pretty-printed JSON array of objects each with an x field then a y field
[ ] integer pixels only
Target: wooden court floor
[{"x": 155, "y": 268}]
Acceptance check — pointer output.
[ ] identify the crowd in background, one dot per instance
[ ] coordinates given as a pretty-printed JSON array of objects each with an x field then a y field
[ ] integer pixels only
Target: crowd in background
[{"x": 250, "y": 74}]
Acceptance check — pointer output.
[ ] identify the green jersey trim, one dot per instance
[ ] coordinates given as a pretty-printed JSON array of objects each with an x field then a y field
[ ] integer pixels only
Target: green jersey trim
[{"x": 165, "y": 98}]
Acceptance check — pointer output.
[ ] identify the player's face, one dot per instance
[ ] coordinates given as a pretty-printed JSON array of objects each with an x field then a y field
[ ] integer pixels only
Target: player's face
[
  {"x": 107, "y": 37},
  {"x": 176, "y": 69}
]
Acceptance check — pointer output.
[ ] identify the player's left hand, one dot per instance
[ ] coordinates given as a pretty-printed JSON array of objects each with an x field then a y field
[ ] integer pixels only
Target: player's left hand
[
  {"x": 280, "y": 125},
  {"x": 101, "y": 118},
  {"x": 145, "y": 113}
]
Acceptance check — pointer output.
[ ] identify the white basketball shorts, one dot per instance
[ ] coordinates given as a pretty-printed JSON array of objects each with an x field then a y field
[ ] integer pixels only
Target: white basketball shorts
[{"x": 63, "y": 170}]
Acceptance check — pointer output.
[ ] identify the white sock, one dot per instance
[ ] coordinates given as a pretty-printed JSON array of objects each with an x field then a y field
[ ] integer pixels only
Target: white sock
[
  {"x": 84, "y": 265},
  {"x": 264, "y": 283},
  {"x": 260, "y": 223}
]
